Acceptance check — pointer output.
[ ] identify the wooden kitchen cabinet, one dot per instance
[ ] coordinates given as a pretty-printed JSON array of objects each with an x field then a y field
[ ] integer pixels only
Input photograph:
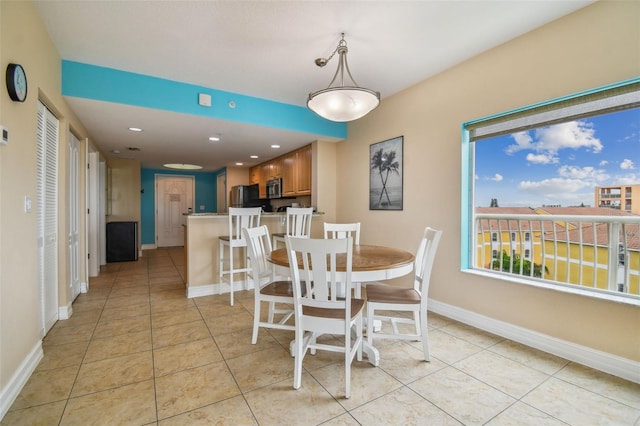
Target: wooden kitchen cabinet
[{"x": 296, "y": 173}]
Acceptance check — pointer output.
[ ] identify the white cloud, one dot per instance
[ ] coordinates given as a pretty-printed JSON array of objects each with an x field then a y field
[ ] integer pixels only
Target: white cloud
[
  {"x": 560, "y": 186},
  {"x": 603, "y": 163},
  {"x": 588, "y": 172},
  {"x": 546, "y": 158},
  {"x": 546, "y": 142},
  {"x": 627, "y": 164},
  {"x": 630, "y": 179},
  {"x": 496, "y": 178}
]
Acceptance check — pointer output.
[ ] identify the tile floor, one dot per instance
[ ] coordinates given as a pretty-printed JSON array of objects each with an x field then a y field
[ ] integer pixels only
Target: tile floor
[{"x": 137, "y": 352}]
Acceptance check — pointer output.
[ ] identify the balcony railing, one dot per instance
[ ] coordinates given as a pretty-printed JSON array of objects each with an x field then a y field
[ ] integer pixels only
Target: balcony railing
[{"x": 598, "y": 253}]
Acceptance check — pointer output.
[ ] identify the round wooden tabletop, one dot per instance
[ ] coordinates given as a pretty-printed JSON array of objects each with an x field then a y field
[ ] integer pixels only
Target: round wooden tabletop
[{"x": 365, "y": 258}]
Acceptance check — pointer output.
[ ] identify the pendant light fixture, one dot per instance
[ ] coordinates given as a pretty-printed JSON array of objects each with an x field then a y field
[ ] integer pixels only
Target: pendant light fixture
[{"x": 342, "y": 102}]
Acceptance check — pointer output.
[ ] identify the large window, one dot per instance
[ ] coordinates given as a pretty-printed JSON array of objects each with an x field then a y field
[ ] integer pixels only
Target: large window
[{"x": 542, "y": 165}]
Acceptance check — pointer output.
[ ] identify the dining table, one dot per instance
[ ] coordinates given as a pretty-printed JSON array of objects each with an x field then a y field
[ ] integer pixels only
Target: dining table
[{"x": 368, "y": 263}]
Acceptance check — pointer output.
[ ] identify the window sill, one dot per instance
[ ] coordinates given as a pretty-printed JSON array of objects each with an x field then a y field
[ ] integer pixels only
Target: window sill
[{"x": 563, "y": 288}]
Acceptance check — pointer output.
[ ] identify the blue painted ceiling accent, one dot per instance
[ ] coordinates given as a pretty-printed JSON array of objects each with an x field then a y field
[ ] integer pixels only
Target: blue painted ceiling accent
[{"x": 110, "y": 85}]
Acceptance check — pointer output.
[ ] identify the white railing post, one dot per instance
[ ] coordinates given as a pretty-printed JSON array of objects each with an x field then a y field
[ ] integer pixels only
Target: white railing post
[{"x": 612, "y": 262}]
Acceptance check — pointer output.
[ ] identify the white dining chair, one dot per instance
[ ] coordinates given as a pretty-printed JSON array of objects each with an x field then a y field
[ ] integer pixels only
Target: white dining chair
[
  {"x": 239, "y": 217},
  {"x": 319, "y": 310},
  {"x": 399, "y": 299},
  {"x": 297, "y": 224},
  {"x": 343, "y": 230},
  {"x": 267, "y": 288}
]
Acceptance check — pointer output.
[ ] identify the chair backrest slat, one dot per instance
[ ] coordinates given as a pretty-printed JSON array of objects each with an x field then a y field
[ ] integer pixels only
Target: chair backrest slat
[
  {"x": 343, "y": 230},
  {"x": 259, "y": 248},
  {"x": 424, "y": 259},
  {"x": 239, "y": 218},
  {"x": 299, "y": 221}
]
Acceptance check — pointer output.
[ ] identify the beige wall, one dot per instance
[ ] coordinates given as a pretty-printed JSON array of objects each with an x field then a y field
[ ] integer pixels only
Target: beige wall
[
  {"x": 24, "y": 40},
  {"x": 125, "y": 190},
  {"x": 593, "y": 47}
]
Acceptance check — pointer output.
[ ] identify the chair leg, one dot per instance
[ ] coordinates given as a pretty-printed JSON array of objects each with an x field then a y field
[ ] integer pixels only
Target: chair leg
[
  {"x": 359, "y": 326},
  {"x": 256, "y": 320},
  {"x": 231, "y": 273},
  {"x": 347, "y": 366},
  {"x": 425, "y": 335},
  {"x": 298, "y": 356},
  {"x": 370, "y": 315}
]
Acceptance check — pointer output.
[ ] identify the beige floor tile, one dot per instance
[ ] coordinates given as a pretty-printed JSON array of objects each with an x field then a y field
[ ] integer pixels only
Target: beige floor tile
[
  {"x": 177, "y": 286},
  {"x": 194, "y": 388},
  {"x": 164, "y": 319},
  {"x": 262, "y": 368},
  {"x": 179, "y": 333},
  {"x": 461, "y": 396},
  {"x": 448, "y": 348},
  {"x": 406, "y": 363},
  {"x": 172, "y": 305},
  {"x": 506, "y": 375},
  {"x": 472, "y": 334},
  {"x": 401, "y": 407},
  {"x": 367, "y": 382},
  {"x": 125, "y": 301},
  {"x": 213, "y": 310},
  {"x": 532, "y": 358},
  {"x": 133, "y": 404},
  {"x": 62, "y": 335},
  {"x": 113, "y": 372},
  {"x": 577, "y": 406},
  {"x": 46, "y": 386},
  {"x": 435, "y": 321},
  {"x": 345, "y": 419},
  {"x": 81, "y": 318},
  {"x": 139, "y": 290},
  {"x": 171, "y": 359},
  {"x": 120, "y": 326},
  {"x": 240, "y": 321},
  {"x": 605, "y": 384},
  {"x": 126, "y": 312},
  {"x": 522, "y": 414},
  {"x": 41, "y": 415},
  {"x": 238, "y": 343},
  {"x": 122, "y": 344},
  {"x": 233, "y": 411},
  {"x": 95, "y": 303},
  {"x": 280, "y": 404},
  {"x": 66, "y": 355}
]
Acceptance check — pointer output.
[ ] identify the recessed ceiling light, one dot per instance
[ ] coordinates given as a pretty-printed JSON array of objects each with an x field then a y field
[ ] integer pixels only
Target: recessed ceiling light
[
  {"x": 239, "y": 164},
  {"x": 275, "y": 146},
  {"x": 253, "y": 156},
  {"x": 182, "y": 166},
  {"x": 135, "y": 129},
  {"x": 214, "y": 138},
  {"x": 116, "y": 151}
]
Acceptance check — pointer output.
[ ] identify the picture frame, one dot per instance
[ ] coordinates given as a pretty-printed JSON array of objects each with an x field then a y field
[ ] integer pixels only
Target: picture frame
[{"x": 386, "y": 174}]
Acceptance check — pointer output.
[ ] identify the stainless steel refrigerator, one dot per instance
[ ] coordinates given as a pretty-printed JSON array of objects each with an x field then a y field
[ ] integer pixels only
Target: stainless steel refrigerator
[{"x": 245, "y": 196}]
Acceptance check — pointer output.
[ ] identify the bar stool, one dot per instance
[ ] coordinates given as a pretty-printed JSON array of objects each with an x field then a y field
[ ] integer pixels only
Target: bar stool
[
  {"x": 238, "y": 218},
  {"x": 298, "y": 224}
]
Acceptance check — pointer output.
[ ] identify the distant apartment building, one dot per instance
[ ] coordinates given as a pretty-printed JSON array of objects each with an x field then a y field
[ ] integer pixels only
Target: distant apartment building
[{"x": 620, "y": 197}]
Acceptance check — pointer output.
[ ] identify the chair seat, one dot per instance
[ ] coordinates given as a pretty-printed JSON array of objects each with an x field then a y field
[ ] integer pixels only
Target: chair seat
[
  {"x": 278, "y": 288},
  {"x": 380, "y": 293},
  {"x": 356, "y": 307},
  {"x": 224, "y": 237}
]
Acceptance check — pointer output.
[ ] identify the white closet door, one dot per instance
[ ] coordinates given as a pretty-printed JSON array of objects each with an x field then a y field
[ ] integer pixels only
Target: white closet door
[
  {"x": 74, "y": 216},
  {"x": 47, "y": 216}
]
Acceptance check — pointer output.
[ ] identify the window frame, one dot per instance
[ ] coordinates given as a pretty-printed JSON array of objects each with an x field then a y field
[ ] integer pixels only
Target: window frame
[{"x": 535, "y": 111}]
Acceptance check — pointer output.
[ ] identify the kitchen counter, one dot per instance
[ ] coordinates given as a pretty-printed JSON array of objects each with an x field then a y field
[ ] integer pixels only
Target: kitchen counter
[{"x": 201, "y": 245}]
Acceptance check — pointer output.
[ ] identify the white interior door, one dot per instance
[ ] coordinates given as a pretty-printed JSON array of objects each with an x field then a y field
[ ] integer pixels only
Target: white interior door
[
  {"x": 221, "y": 193},
  {"x": 47, "y": 215},
  {"x": 174, "y": 196},
  {"x": 74, "y": 216}
]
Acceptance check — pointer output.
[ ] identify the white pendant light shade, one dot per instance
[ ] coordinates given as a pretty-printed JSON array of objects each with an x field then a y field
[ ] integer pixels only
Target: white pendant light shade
[{"x": 342, "y": 103}]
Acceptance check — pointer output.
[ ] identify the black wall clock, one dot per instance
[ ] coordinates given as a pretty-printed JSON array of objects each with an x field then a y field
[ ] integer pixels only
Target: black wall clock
[{"x": 16, "y": 82}]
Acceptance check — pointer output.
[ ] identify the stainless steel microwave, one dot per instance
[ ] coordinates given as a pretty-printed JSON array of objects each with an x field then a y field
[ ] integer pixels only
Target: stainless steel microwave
[{"x": 274, "y": 188}]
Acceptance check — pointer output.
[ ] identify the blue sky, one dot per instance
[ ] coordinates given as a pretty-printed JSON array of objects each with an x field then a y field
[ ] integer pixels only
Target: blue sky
[{"x": 559, "y": 164}]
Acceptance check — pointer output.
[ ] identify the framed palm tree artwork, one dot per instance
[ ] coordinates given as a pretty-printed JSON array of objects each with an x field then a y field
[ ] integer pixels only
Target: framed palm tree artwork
[{"x": 385, "y": 175}]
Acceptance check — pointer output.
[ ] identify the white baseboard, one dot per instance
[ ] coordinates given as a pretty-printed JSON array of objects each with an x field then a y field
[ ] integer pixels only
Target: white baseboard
[
  {"x": 84, "y": 287},
  {"x": 65, "y": 312},
  {"x": 11, "y": 391},
  {"x": 212, "y": 289},
  {"x": 148, "y": 247},
  {"x": 603, "y": 361}
]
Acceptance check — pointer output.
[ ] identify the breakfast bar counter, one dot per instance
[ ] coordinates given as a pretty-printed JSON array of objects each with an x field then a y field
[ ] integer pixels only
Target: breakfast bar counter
[{"x": 201, "y": 247}]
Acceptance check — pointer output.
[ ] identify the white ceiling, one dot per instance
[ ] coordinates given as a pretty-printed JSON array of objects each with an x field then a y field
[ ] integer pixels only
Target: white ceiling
[{"x": 266, "y": 49}]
